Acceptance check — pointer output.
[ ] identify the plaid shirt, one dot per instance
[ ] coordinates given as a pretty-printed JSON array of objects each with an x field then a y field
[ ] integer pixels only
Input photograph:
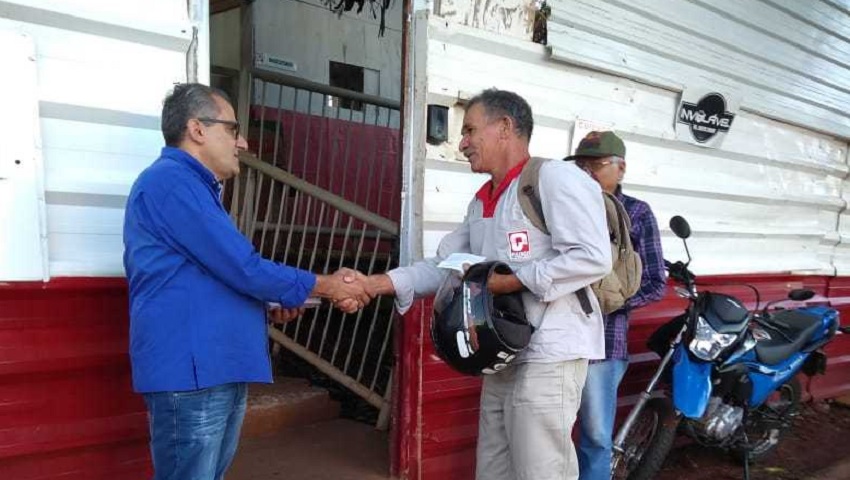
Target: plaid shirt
[{"x": 647, "y": 243}]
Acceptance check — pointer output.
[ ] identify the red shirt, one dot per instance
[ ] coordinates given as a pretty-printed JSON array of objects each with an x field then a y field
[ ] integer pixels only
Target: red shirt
[{"x": 489, "y": 197}]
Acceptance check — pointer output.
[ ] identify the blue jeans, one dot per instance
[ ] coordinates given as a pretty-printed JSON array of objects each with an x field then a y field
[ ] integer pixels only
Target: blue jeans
[
  {"x": 596, "y": 418},
  {"x": 194, "y": 434}
]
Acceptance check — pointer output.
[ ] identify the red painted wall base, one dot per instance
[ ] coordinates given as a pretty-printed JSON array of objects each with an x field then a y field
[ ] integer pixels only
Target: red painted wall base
[{"x": 67, "y": 409}]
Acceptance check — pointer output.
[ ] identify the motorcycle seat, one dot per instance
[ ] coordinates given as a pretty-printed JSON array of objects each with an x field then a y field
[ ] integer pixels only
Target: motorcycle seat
[{"x": 783, "y": 334}]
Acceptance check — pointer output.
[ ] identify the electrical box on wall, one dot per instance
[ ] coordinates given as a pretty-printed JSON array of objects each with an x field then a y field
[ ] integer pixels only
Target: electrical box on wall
[{"x": 438, "y": 124}]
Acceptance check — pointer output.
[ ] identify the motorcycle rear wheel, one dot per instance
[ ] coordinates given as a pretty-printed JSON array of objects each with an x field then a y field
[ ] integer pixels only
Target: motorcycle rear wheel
[
  {"x": 649, "y": 441},
  {"x": 769, "y": 422}
]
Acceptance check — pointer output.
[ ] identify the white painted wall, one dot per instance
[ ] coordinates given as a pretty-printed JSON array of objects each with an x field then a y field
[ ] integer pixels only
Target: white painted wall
[
  {"x": 506, "y": 17},
  {"x": 306, "y": 32},
  {"x": 769, "y": 200},
  {"x": 225, "y": 39},
  {"x": 102, "y": 69},
  {"x": 23, "y": 239}
]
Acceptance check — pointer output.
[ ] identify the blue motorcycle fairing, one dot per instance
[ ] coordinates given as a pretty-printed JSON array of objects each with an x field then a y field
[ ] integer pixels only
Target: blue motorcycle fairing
[
  {"x": 691, "y": 383},
  {"x": 829, "y": 317},
  {"x": 767, "y": 378}
]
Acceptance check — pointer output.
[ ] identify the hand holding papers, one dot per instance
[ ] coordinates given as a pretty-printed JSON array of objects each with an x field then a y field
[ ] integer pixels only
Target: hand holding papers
[{"x": 459, "y": 262}]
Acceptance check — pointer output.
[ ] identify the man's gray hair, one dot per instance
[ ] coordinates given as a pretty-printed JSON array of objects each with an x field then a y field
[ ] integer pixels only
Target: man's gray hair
[
  {"x": 186, "y": 101},
  {"x": 502, "y": 102}
]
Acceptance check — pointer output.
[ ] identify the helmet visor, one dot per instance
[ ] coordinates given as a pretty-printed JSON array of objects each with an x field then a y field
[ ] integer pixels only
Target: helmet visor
[{"x": 463, "y": 304}]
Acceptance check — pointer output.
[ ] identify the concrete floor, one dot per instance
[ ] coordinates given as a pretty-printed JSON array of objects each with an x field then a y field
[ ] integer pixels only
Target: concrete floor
[{"x": 332, "y": 450}]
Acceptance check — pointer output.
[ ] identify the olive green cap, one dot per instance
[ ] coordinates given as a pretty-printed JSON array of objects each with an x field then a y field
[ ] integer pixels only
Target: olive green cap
[{"x": 599, "y": 144}]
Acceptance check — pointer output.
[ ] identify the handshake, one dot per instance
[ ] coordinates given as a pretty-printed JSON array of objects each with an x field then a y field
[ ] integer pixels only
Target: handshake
[{"x": 348, "y": 290}]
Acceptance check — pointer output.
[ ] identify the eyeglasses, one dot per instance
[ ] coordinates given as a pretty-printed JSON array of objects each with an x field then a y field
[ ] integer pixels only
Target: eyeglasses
[
  {"x": 234, "y": 125},
  {"x": 593, "y": 165}
]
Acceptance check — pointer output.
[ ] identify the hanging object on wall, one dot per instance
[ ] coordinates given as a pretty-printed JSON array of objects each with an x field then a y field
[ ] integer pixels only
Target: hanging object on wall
[
  {"x": 375, "y": 6},
  {"x": 705, "y": 116},
  {"x": 582, "y": 127},
  {"x": 540, "y": 31}
]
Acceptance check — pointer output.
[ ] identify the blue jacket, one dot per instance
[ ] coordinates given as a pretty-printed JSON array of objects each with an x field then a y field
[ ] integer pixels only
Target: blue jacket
[{"x": 197, "y": 286}]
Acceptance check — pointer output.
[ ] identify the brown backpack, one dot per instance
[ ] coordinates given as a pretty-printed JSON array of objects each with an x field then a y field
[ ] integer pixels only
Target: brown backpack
[{"x": 623, "y": 281}]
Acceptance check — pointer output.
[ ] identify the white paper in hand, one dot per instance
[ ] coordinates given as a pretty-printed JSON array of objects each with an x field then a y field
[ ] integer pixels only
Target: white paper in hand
[{"x": 460, "y": 261}]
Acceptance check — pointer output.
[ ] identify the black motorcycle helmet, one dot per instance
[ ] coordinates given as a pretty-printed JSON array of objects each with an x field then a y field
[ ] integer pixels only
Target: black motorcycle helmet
[{"x": 473, "y": 330}]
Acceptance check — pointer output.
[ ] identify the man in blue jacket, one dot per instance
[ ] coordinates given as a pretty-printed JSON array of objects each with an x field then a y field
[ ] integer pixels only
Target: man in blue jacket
[{"x": 198, "y": 291}]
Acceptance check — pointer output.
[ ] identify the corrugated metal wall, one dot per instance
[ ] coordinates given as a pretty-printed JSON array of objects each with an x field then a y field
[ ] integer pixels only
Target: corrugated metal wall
[
  {"x": 769, "y": 202},
  {"x": 67, "y": 409},
  {"x": 103, "y": 68}
]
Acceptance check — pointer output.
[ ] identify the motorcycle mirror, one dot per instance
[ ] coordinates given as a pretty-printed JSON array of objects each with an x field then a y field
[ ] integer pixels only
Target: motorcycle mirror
[
  {"x": 680, "y": 227},
  {"x": 800, "y": 294}
]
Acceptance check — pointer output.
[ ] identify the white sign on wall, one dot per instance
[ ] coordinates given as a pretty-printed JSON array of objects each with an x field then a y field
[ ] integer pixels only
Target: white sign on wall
[
  {"x": 705, "y": 116},
  {"x": 272, "y": 62},
  {"x": 582, "y": 127}
]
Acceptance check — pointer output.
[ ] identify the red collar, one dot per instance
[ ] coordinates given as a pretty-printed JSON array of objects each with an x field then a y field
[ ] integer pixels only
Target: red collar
[{"x": 490, "y": 197}]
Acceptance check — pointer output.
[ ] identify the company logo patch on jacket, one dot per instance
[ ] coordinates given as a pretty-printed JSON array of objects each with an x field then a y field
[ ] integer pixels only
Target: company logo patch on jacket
[{"x": 519, "y": 245}]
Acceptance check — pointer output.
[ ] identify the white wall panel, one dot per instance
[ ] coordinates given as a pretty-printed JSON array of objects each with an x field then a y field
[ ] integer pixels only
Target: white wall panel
[
  {"x": 23, "y": 249},
  {"x": 127, "y": 18},
  {"x": 447, "y": 190},
  {"x": 94, "y": 158},
  {"x": 103, "y": 68},
  {"x": 506, "y": 17},
  {"x": 86, "y": 240},
  {"x": 767, "y": 201},
  {"x": 79, "y": 68},
  {"x": 677, "y": 43}
]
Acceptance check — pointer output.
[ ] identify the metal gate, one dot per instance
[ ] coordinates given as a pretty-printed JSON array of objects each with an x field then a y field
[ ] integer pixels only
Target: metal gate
[{"x": 319, "y": 195}]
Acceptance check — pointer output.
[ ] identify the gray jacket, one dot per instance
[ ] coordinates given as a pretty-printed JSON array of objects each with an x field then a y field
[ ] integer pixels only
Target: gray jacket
[{"x": 552, "y": 267}]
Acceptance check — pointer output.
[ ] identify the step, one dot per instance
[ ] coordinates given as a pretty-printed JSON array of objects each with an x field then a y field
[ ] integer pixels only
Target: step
[
  {"x": 286, "y": 403},
  {"x": 339, "y": 449}
]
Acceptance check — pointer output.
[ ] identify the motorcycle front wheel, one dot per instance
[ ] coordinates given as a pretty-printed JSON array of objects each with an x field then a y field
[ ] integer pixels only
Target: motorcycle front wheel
[
  {"x": 768, "y": 422},
  {"x": 648, "y": 442}
]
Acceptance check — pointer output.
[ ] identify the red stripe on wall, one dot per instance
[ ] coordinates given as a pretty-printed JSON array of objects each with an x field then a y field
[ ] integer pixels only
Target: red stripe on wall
[{"x": 67, "y": 409}]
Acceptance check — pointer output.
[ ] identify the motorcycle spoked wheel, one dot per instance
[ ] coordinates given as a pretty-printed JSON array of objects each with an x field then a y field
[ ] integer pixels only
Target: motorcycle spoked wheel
[
  {"x": 649, "y": 441},
  {"x": 769, "y": 421}
]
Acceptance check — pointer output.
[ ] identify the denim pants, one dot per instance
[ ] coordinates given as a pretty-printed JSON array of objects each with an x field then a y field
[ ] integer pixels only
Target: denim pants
[
  {"x": 596, "y": 418},
  {"x": 194, "y": 434}
]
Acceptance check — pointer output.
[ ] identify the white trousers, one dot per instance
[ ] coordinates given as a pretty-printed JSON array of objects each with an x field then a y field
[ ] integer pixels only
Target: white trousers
[{"x": 526, "y": 422}]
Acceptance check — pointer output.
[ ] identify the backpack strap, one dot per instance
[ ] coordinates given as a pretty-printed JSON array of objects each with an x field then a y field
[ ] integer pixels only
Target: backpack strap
[
  {"x": 529, "y": 201},
  {"x": 622, "y": 224},
  {"x": 529, "y": 195}
]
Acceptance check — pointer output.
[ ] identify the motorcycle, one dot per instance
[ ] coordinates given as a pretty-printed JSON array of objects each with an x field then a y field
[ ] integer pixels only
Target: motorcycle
[{"x": 728, "y": 375}]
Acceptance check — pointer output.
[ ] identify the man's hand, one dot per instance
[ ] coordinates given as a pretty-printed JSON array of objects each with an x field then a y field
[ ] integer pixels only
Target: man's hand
[
  {"x": 351, "y": 276},
  {"x": 280, "y": 315},
  {"x": 504, "y": 283},
  {"x": 347, "y": 289}
]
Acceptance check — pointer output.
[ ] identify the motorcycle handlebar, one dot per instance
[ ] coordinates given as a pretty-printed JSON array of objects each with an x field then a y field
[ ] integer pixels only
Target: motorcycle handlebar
[{"x": 679, "y": 272}]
